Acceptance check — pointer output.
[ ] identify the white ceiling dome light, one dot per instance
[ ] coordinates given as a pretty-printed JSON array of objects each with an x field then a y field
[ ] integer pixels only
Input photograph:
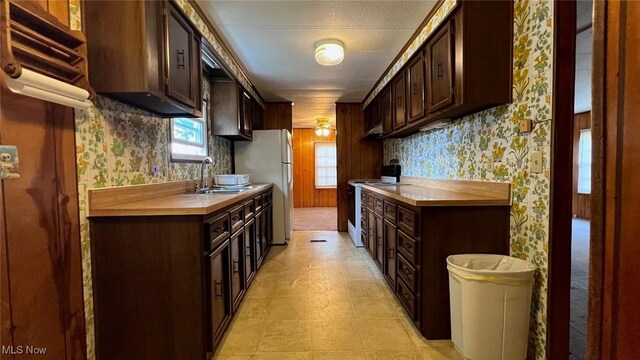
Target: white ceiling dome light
[{"x": 329, "y": 52}]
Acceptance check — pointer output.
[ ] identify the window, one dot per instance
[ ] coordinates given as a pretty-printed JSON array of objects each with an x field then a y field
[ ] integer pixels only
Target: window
[
  {"x": 189, "y": 137},
  {"x": 326, "y": 171},
  {"x": 584, "y": 162}
]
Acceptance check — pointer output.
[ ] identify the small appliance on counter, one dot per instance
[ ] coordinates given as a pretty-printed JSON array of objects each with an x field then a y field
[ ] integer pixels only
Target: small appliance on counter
[{"x": 390, "y": 175}]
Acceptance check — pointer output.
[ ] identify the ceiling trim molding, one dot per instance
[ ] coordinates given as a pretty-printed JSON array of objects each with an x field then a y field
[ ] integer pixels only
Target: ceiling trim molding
[
  {"x": 193, "y": 11},
  {"x": 435, "y": 17}
]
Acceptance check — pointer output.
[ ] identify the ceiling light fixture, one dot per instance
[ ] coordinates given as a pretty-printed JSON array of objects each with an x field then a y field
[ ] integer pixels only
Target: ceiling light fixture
[
  {"x": 329, "y": 52},
  {"x": 322, "y": 129}
]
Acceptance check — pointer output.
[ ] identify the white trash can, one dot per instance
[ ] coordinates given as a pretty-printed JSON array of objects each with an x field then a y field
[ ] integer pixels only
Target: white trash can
[{"x": 490, "y": 297}]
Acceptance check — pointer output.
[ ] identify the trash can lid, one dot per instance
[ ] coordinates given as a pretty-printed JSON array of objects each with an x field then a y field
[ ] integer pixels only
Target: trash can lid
[{"x": 491, "y": 264}]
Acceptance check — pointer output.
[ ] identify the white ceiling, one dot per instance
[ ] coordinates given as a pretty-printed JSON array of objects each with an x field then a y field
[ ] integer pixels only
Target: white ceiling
[
  {"x": 274, "y": 41},
  {"x": 584, "y": 56}
]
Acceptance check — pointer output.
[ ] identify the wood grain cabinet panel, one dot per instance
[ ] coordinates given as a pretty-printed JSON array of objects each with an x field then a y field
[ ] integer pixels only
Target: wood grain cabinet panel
[
  {"x": 440, "y": 71},
  {"x": 182, "y": 54},
  {"x": 390, "y": 236},
  {"x": 386, "y": 108},
  {"x": 220, "y": 300},
  {"x": 399, "y": 101},
  {"x": 415, "y": 90}
]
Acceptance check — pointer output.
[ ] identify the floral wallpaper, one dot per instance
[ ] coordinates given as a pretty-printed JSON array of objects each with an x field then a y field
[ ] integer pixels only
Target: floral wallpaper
[
  {"x": 118, "y": 145},
  {"x": 467, "y": 148},
  {"x": 441, "y": 13}
]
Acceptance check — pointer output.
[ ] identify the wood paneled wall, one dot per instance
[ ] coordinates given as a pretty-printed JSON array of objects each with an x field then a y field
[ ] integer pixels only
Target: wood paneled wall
[
  {"x": 581, "y": 202},
  {"x": 356, "y": 159},
  {"x": 278, "y": 115},
  {"x": 305, "y": 193}
]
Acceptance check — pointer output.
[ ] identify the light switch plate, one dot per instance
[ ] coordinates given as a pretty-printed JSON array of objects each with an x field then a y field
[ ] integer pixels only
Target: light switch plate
[
  {"x": 490, "y": 164},
  {"x": 536, "y": 162},
  {"x": 525, "y": 126}
]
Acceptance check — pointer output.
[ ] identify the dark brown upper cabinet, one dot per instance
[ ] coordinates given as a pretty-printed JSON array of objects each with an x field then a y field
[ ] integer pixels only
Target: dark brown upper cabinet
[
  {"x": 415, "y": 90},
  {"x": 399, "y": 101},
  {"x": 230, "y": 110},
  {"x": 475, "y": 49},
  {"x": 146, "y": 54},
  {"x": 465, "y": 66},
  {"x": 440, "y": 54},
  {"x": 386, "y": 109}
]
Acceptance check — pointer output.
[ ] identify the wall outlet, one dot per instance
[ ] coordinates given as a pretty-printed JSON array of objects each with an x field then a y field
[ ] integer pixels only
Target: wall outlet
[
  {"x": 525, "y": 126},
  {"x": 490, "y": 164},
  {"x": 536, "y": 162}
]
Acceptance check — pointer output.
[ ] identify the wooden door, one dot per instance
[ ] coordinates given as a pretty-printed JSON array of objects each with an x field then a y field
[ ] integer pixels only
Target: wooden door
[
  {"x": 440, "y": 72},
  {"x": 40, "y": 253},
  {"x": 380, "y": 254},
  {"x": 386, "y": 109},
  {"x": 220, "y": 303},
  {"x": 398, "y": 104},
  {"x": 181, "y": 52},
  {"x": 390, "y": 252},
  {"x": 249, "y": 263},
  {"x": 415, "y": 89},
  {"x": 237, "y": 268}
]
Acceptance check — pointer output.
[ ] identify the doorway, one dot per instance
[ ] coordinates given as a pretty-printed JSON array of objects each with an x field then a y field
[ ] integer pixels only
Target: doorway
[
  {"x": 581, "y": 190},
  {"x": 315, "y": 197}
]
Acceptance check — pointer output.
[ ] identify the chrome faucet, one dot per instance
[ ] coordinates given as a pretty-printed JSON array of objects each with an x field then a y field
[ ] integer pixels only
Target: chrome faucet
[{"x": 203, "y": 185}]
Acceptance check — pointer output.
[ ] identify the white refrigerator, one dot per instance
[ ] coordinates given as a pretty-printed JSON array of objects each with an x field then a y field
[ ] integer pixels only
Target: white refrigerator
[{"x": 269, "y": 159}]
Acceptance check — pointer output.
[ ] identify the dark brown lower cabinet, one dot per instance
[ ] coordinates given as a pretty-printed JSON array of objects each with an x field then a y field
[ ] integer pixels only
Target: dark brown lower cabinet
[
  {"x": 166, "y": 287},
  {"x": 238, "y": 285},
  {"x": 219, "y": 297},
  {"x": 411, "y": 245}
]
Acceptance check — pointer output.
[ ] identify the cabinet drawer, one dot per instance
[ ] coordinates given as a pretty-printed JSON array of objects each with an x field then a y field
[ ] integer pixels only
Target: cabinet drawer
[
  {"x": 249, "y": 207},
  {"x": 237, "y": 218},
  {"x": 407, "y": 298},
  {"x": 219, "y": 230},
  {"x": 378, "y": 206},
  {"x": 369, "y": 201},
  {"x": 407, "y": 221},
  {"x": 390, "y": 211},
  {"x": 407, "y": 247},
  {"x": 258, "y": 203},
  {"x": 407, "y": 273}
]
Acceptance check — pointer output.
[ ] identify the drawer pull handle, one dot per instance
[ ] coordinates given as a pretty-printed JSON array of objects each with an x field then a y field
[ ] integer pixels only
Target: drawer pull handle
[
  {"x": 217, "y": 285},
  {"x": 391, "y": 253},
  {"x": 236, "y": 268}
]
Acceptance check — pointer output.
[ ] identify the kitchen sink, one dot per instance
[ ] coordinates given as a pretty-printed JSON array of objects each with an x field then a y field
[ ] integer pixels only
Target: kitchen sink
[{"x": 231, "y": 189}]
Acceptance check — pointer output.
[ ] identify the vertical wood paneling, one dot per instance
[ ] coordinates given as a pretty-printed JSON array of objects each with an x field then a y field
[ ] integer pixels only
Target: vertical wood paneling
[
  {"x": 356, "y": 159},
  {"x": 581, "y": 202},
  {"x": 278, "y": 115},
  {"x": 304, "y": 192}
]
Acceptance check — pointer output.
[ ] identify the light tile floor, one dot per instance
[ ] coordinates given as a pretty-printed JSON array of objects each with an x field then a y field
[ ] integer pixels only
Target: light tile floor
[{"x": 324, "y": 301}]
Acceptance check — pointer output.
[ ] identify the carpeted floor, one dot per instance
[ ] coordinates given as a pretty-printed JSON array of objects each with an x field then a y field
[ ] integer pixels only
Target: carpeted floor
[
  {"x": 315, "y": 218},
  {"x": 579, "y": 289}
]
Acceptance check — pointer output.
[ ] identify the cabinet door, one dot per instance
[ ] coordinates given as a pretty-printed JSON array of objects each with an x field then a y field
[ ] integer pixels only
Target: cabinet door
[
  {"x": 399, "y": 106},
  {"x": 415, "y": 91},
  {"x": 249, "y": 263},
  {"x": 379, "y": 241},
  {"x": 237, "y": 268},
  {"x": 258, "y": 239},
  {"x": 245, "y": 112},
  {"x": 219, "y": 295},
  {"x": 371, "y": 232},
  {"x": 181, "y": 54},
  {"x": 440, "y": 72},
  {"x": 390, "y": 252},
  {"x": 386, "y": 108}
]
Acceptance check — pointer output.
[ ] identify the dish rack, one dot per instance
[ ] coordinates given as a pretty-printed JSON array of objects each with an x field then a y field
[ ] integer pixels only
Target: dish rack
[{"x": 231, "y": 179}]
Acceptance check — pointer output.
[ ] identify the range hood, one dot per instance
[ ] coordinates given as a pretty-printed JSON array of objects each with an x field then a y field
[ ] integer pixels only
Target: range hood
[{"x": 41, "y": 57}]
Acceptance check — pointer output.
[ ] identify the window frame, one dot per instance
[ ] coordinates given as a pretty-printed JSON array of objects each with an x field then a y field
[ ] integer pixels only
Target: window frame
[
  {"x": 579, "y": 189},
  {"x": 315, "y": 165},
  {"x": 189, "y": 158}
]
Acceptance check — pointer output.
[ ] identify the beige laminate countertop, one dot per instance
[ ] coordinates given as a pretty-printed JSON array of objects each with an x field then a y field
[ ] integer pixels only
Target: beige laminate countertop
[
  {"x": 174, "y": 204},
  {"x": 450, "y": 194}
]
